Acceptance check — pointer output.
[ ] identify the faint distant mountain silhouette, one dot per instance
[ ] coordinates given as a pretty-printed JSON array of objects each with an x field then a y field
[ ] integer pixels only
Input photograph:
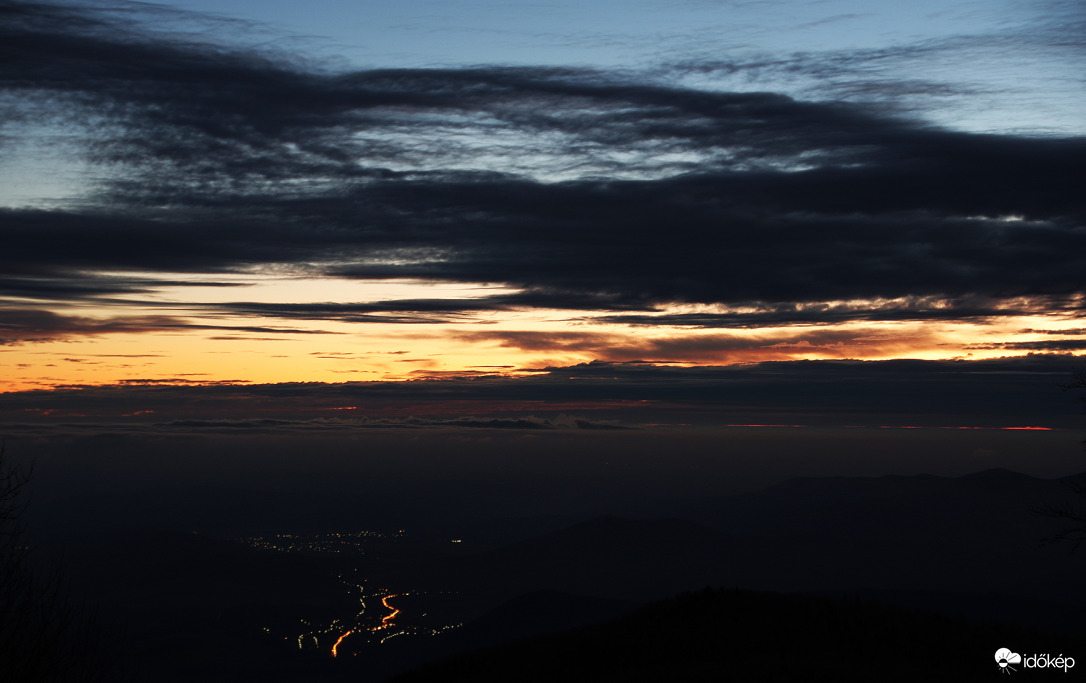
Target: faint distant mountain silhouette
[
  {"x": 967, "y": 546},
  {"x": 975, "y": 535},
  {"x": 714, "y": 635},
  {"x": 609, "y": 557}
]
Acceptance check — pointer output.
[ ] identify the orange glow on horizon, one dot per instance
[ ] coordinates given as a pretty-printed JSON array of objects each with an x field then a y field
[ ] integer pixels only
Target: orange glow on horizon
[{"x": 191, "y": 335}]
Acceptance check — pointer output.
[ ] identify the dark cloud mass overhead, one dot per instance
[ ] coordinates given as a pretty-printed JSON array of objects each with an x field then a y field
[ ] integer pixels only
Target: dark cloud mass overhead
[
  {"x": 585, "y": 213},
  {"x": 630, "y": 191}
]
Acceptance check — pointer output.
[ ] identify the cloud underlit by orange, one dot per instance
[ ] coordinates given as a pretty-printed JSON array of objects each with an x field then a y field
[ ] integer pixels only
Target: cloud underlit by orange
[{"x": 375, "y": 351}]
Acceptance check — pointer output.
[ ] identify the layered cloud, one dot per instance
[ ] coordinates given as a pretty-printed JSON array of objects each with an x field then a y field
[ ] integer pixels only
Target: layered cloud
[
  {"x": 709, "y": 348},
  {"x": 1006, "y": 393},
  {"x": 615, "y": 198},
  {"x": 31, "y": 325}
]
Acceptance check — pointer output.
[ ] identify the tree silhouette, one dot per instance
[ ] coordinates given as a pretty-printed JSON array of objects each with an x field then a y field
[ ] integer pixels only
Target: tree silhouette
[{"x": 44, "y": 636}]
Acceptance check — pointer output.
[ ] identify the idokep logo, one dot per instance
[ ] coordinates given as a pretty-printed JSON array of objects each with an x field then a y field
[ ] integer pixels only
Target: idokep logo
[{"x": 1005, "y": 659}]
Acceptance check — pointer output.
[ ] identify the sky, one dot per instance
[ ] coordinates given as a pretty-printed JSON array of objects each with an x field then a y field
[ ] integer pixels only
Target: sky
[{"x": 541, "y": 215}]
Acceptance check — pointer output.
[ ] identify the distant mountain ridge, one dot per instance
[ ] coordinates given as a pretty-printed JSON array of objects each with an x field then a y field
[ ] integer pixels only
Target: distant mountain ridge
[
  {"x": 714, "y": 635},
  {"x": 969, "y": 546},
  {"x": 976, "y": 534}
]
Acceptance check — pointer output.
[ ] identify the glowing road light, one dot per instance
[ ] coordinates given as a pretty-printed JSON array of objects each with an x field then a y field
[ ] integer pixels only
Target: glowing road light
[
  {"x": 335, "y": 647},
  {"x": 386, "y": 621}
]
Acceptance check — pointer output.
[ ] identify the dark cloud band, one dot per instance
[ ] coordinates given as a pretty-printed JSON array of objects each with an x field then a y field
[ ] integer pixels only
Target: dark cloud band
[
  {"x": 223, "y": 159},
  {"x": 1009, "y": 392}
]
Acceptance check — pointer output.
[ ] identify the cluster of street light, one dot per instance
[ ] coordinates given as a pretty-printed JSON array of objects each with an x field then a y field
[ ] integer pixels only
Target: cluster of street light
[
  {"x": 334, "y": 543},
  {"x": 365, "y": 626},
  {"x": 378, "y": 613}
]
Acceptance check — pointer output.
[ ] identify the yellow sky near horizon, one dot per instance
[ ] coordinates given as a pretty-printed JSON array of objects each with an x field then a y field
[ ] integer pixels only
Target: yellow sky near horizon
[{"x": 192, "y": 334}]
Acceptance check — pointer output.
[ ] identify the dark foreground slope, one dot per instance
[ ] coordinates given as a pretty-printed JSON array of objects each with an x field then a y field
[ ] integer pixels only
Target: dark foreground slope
[
  {"x": 715, "y": 635},
  {"x": 192, "y": 606}
]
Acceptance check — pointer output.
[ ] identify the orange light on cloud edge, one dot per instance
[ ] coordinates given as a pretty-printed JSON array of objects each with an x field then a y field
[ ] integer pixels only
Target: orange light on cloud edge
[{"x": 334, "y": 351}]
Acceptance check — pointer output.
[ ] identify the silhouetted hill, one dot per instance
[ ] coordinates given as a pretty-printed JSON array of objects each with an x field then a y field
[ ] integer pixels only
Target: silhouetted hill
[
  {"x": 881, "y": 505},
  {"x": 219, "y": 510},
  {"x": 963, "y": 546},
  {"x": 538, "y": 612},
  {"x": 191, "y": 606},
  {"x": 921, "y": 538},
  {"x": 715, "y": 635},
  {"x": 607, "y": 557},
  {"x": 979, "y": 532},
  {"x": 525, "y": 616}
]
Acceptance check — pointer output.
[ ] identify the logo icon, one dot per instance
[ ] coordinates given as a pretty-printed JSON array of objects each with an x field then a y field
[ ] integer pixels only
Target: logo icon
[{"x": 1004, "y": 658}]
